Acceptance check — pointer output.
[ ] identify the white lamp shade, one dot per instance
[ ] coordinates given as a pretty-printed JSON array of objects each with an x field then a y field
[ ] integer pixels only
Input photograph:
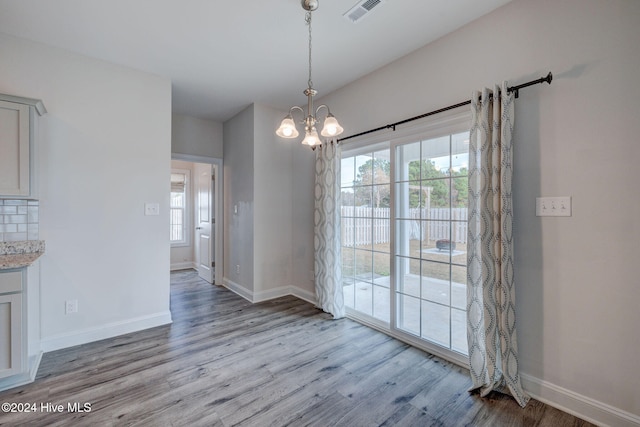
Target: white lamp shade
[
  {"x": 331, "y": 127},
  {"x": 311, "y": 138},
  {"x": 287, "y": 128}
]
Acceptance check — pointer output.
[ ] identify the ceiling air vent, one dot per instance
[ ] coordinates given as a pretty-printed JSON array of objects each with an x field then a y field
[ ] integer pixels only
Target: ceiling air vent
[{"x": 360, "y": 10}]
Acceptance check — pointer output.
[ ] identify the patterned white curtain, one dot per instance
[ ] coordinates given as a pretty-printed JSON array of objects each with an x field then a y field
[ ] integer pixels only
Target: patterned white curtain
[
  {"x": 491, "y": 320},
  {"x": 327, "y": 243}
]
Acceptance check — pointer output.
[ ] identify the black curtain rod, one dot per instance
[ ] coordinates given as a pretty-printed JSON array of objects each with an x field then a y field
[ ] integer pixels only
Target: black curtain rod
[{"x": 515, "y": 89}]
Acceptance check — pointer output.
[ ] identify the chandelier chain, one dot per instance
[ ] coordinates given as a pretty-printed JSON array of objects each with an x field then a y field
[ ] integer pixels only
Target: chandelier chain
[{"x": 308, "y": 20}]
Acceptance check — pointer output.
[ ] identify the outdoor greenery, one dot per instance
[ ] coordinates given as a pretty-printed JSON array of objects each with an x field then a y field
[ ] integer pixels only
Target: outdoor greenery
[{"x": 372, "y": 185}]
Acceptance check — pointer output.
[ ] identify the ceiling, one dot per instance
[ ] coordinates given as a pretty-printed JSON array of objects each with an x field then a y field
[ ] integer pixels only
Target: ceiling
[{"x": 223, "y": 55}]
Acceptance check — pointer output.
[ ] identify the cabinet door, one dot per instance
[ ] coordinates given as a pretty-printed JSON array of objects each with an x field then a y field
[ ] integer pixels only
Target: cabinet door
[
  {"x": 11, "y": 341},
  {"x": 14, "y": 146}
]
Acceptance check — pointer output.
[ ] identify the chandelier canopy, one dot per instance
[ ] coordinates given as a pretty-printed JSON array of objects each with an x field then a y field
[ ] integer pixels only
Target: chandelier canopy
[{"x": 331, "y": 127}]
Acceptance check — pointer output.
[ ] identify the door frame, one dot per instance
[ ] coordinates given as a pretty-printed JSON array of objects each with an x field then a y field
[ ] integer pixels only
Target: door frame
[{"x": 218, "y": 207}]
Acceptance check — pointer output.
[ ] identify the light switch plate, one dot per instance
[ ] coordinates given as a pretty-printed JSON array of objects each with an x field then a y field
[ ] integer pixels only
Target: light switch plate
[
  {"x": 553, "y": 206},
  {"x": 152, "y": 208},
  {"x": 71, "y": 306}
]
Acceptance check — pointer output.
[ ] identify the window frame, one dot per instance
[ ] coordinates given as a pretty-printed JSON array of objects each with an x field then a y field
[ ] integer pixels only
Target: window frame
[{"x": 186, "y": 226}]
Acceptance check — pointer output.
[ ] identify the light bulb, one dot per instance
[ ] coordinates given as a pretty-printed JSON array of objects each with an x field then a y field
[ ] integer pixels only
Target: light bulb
[
  {"x": 331, "y": 126},
  {"x": 311, "y": 138},
  {"x": 287, "y": 128}
]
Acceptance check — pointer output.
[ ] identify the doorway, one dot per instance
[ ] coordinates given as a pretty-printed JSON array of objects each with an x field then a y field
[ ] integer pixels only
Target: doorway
[{"x": 200, "y": 216}]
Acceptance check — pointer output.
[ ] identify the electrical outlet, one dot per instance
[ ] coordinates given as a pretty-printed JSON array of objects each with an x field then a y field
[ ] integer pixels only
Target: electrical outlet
[
  {"x": 237, "y": 268},
  {"x": 553, "y": 206},
  {"x": 71, "y": 306}
]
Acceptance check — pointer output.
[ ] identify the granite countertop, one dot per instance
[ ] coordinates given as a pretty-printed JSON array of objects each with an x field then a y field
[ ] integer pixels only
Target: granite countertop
[{"x": 20, "y": 254}]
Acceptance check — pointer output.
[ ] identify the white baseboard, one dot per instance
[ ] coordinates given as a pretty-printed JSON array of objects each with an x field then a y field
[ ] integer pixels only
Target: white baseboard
[
  {"x": 278, "y": 292},
  {"x": 34, "y": 364},
  {"x": 237, "y": 289},
  {"x": 303, "y": 295},
  {"x": 182, "y": 265},
  {"x": 24, "y": 378},
  {"x": 109, "y": 330},
  {"x": 576, "y": 404},
  {"x": 260, "y": 296},
  {"x": 255, "y": 297}
]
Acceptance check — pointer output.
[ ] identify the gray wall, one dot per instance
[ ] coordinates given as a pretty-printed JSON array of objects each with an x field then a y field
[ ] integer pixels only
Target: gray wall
[
  {"x": 196, "y": 137},
  {"x": 577, "y": 286},
  {"x": 238, "y": 193},
  {"x": 257, "y": 167},
  {"x": 273, "y": 204}
]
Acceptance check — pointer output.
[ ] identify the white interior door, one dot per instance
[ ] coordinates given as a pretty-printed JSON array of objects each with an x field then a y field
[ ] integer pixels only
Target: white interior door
[{"x": 204, "y": 219}]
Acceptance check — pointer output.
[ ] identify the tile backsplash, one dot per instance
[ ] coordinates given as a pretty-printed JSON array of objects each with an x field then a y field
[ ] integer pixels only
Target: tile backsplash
[{"x": 18, "y": 220}]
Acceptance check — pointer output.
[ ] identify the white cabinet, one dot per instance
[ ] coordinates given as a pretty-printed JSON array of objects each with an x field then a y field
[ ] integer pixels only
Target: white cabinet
[
  {"x": 13, "y": 350},
  {"x": 14, "y": 145},
  {"x": 17, "y": 135},
  {"x": 20, "y": 353}
]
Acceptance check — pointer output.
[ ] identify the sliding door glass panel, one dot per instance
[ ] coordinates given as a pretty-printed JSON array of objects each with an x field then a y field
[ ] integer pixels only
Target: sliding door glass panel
[
  {"x": 408, "y": 280},
  {"x": 381, "y": 268},
  {"x": 364, "y": 169},
  {"x": 347, "y": 172},
  {"x": 459, "y": 287},
  {"x": 348, "y": 274},
  {"x": 381, "y": 306},
  {"x": 407, "y": 164},
  {"x": 434, "y": 282},
  {"x": 431, "y": 225},
  {"x": 408, "y": 314},
  {"x": 348, "y": 288},
  {"x": 363, "y": 265},
  {"x": 435, "y": 244},
  {"x": 366, "y": 232},
  {"x": 364, "y": 297},
  {"x": 435, "y": 323},
  {"x": 435, "y": 157},
  {"x": 410, "y": 229},
  {"x": 459, "y": 330}
]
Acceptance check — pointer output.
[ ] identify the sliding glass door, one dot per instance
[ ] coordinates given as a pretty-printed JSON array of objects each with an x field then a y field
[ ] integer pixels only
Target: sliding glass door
[
  {"x": 366, "y": 233},
  {"x": 404, "y": 231},
  {"x": 430, "y": 199}
]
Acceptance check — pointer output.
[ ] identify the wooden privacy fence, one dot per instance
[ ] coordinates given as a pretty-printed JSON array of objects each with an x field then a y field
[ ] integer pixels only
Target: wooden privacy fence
[{"x": 362, "y": 225}]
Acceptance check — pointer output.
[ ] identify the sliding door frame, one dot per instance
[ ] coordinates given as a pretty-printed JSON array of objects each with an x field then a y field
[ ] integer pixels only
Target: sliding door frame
[{"x": 450, "y": 122}]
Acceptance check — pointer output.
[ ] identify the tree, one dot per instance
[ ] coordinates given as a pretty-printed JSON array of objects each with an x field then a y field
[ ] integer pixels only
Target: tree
[
  {"x": 425, "y": 174},
  {"x": 372, "y": 184},
  {"x": 460, "y": 188}
]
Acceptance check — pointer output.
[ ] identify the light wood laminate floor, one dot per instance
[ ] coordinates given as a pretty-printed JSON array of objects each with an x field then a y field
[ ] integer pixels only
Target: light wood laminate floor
[{"x": 226, "y": 362}]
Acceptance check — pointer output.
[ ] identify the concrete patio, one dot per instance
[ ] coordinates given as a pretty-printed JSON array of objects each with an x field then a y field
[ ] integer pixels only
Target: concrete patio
[{"x": 423, "y": 310}]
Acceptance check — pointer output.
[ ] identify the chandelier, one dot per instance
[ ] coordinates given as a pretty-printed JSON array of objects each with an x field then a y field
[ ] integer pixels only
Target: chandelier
[{"x": 331, "y": 127}]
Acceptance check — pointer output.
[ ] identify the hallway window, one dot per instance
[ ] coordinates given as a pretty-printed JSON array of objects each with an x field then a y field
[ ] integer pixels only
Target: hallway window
[{"x": 178, "y": 207}]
